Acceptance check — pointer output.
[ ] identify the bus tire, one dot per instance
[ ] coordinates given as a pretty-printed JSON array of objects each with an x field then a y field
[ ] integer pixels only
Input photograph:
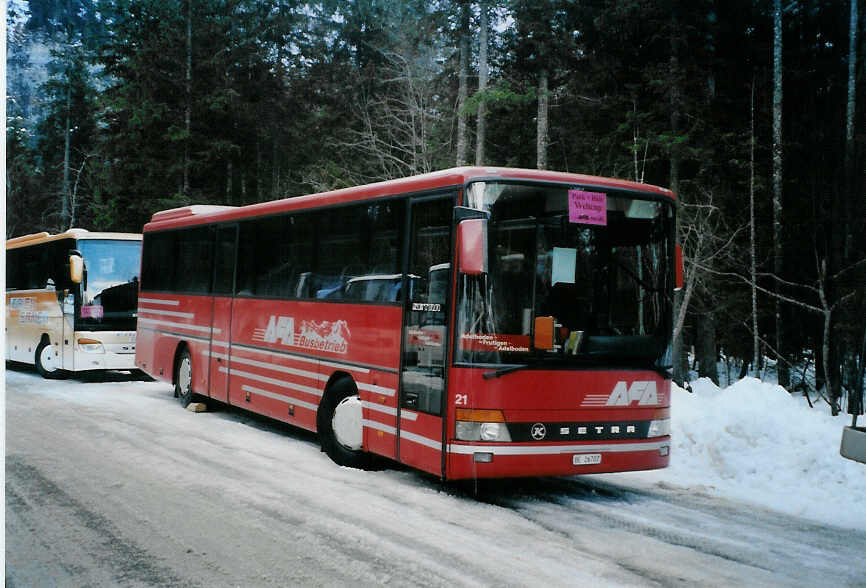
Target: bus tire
[
  {"x": 339, "y": 425},
  {"x": 46, "y": 361},
  {"x": 183, "y": 378}
]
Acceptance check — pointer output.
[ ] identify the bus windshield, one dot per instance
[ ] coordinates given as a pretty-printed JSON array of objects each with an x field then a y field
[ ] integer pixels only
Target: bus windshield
[
  {"x": 110, "y": 288},
  {"x": 590, "y": 269}
]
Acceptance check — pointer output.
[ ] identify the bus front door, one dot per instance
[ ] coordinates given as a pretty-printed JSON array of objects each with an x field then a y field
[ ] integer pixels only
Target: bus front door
[{"x": 425, "y": 318}]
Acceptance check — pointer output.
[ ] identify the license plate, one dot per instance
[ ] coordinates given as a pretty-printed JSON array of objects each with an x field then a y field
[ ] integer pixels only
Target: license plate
[{"x": 586, "y": 459}]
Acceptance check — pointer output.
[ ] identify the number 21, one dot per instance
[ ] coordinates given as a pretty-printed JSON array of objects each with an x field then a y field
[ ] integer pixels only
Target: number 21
[{"x": 461, "y": 399}]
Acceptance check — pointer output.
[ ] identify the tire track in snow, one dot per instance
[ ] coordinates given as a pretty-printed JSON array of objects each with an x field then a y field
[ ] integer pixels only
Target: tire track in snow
[
  {"x": 34, "y": 493},
  {"x": 777, "y": 548}
]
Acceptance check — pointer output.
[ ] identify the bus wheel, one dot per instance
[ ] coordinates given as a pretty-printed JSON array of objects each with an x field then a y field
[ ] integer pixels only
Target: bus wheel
[
  {"x": 183, "y": 379},
  {"x": 47, "y": 361},
  {"x": 340, "y": 427}
]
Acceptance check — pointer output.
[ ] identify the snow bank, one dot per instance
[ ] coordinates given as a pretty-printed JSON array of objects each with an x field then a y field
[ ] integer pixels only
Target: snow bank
[{"x": 753, "y": 441}]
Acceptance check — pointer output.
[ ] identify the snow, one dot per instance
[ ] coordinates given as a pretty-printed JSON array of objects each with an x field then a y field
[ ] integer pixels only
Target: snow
[
  {"x": 740, "y": 455},
  {"x": 750, "y": 442},
  {"x": 754, "y": 442}
]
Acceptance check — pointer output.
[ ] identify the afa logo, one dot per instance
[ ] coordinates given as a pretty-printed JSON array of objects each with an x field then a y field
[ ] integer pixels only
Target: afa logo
[
  {"x": 280, "y": 329},
  {"x": 330, "y": 336},
  {"x": 644, "y": 393}
]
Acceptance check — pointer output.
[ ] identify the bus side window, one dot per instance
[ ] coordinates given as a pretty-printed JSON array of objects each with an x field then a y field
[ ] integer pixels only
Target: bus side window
[
  {"x": 357, "y": 249},
  {"x": 13, "y": 269},
  {"x": 160, "y": 261},
  {"x": 224, "y": 262},
  {"x": 195, "y": 255}
]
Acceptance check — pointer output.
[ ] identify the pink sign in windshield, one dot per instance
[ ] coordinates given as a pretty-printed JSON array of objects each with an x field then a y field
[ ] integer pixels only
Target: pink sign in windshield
[
  {"x": 91, "y": 312},
  {"x": 589, "y": 208}
]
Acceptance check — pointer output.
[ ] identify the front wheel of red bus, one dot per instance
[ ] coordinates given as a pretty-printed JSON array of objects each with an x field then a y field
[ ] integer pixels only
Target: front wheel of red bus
[
  {"x": 339, "y": 425},
  {"x": 183, "y": 378},
  {"x": 48, "y": 360}
]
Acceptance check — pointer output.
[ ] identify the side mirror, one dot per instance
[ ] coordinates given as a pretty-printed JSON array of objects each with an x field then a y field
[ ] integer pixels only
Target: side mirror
[
  {"x": 679, "y": 267},
  {"x": 472, "y": 246},
  {"x": 76, "y": 268}
]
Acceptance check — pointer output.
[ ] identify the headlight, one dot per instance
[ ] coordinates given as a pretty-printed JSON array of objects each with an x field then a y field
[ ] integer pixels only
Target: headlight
[
  {"x": 494, "y": 432},
  {"x": 481, "y": 425},
  {"x": 90, "y": 346},
  {"x": 468, "y": 431},
  {"x": 659, "y": 428}
]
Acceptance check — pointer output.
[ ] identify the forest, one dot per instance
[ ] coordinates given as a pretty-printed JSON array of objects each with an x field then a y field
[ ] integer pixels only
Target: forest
[{"x": 750, "y": 110}]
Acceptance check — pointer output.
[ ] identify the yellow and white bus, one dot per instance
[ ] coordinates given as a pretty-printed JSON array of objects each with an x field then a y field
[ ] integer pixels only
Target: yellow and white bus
[{"x": 72, "y": 301}]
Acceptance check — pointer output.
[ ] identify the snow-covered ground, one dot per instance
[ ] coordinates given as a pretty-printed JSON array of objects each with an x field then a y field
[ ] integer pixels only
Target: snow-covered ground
[
  {"x": 754, "y": 442},
  {"x": 118, "y": 463},
  {"x": 751, "y": 442}
]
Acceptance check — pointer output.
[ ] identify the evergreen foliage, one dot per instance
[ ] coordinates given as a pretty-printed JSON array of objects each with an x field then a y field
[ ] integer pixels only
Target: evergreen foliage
[{"x": 170, "y": 102}]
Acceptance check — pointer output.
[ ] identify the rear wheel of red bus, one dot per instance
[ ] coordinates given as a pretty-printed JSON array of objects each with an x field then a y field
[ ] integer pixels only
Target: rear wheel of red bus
[
  {"x": 183, "y": 378},
  {"x": 339, "y": 425}
]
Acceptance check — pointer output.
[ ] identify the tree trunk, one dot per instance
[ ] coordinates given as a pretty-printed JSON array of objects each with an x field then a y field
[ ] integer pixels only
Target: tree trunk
[
  {"x": 831, "y": 386},
  {"x": 481, "y": 123},
  {"x": 849, "y": 130},
  {"x": 188, "y": 106},
  {"x": 706, "y": 347},
  {"x": 229, "y": 181},
  {"x": 543, "y": 111},
  {"x": 678, "y": 350},
  {"x": 259, "y": 196},
  {"x": 819, "y": 363},
  {"x": 744, "y": 370},
  {"x": 462, "y": 90},
  {"x": 275, "y": 169},
  {"x": 752, "y": 253},
  {"x": 65, "y": 212},
  {"x": 778, "y": 254}
]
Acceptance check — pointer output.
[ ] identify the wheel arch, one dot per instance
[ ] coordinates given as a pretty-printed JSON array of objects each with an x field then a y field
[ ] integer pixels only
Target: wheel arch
[
  {"x": 58, "y": 372},
  {"x": 181, "y": 346},
  {"x": 337, "y": 376}
]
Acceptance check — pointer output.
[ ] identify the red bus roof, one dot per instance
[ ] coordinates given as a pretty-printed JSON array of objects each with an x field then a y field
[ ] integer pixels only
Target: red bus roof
[{"x": 199, "y": 214}]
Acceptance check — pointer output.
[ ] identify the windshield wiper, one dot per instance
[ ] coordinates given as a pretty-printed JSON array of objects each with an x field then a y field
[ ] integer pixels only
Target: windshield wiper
[{"x": 505, "y": 370}]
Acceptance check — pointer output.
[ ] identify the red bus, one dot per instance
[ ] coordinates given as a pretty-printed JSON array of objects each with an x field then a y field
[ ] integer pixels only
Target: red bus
[{"x": 470, "y": 323}]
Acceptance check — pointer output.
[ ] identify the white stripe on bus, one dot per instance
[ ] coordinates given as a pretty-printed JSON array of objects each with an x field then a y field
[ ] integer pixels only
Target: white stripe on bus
[
  {"x": 159, "y": 311},
  {"x": 160, "y": 301},
  {"x": 389, "y": 410},
  {"x": 148, "y": 321},
  {"x": 295, "y": 357},
  {"x": 275, "y": 382},
  {"x": 177, "y": 335},
  {"x": 375, "y": 389},
  {"x": 280, "y": 397},
  {"x": 553, "y": 449},
  {"x": 390, "y": 392},
  {"x": 379, "y": 426},
  {"x": 272, "y": 366},
  {"x": 406, "y": 435},
  {"x": 421, "y": 440}
]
